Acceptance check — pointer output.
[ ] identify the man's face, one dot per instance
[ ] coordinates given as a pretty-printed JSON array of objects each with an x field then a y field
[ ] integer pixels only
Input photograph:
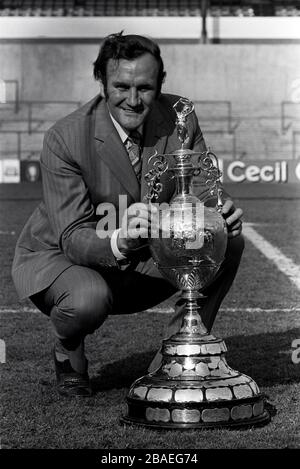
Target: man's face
[{"x": 131, "y": 89}]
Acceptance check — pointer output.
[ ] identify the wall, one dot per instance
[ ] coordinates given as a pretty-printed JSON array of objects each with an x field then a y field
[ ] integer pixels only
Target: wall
[
  {"x": 254, "y": 78},
  {"x": 248, "y": 75}
]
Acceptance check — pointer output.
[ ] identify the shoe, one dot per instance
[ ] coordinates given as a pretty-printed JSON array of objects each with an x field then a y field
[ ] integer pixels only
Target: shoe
[{"x": 69, "y": 382}]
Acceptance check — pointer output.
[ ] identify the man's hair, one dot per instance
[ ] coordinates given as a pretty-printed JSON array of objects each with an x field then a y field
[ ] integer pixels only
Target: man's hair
[{"x": 129, "y": 47}]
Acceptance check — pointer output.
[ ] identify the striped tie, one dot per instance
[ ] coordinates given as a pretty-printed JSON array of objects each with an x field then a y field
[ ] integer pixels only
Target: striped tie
[{"x": 133, "y": 147}]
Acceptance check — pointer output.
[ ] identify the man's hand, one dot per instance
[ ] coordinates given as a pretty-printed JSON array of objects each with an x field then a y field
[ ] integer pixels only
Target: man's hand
[
  {"x": 232, "y": 216},
  {"x": 135, "y": 226}
]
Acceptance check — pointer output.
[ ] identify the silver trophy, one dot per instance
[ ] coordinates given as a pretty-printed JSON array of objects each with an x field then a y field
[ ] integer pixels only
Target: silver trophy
[{"x": 193, "y": 387}]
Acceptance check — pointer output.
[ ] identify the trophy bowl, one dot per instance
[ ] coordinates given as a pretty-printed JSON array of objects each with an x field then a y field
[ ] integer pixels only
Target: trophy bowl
[{"x": 191, "y": 244}]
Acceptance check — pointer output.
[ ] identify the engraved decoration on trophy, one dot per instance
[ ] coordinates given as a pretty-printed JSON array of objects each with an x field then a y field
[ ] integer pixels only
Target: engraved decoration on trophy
[
  {"x": 193, "y": 387},
  {"x": 183, "y": 107}
]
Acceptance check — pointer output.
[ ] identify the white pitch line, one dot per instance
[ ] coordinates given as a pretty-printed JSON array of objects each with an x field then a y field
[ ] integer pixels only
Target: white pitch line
[
  {"x": 232, "y": 310},
  {"x": 24, "y": 309},
  {"x": 7, "y": 232},
  {"x": 169, "y": 310},
  {"x": 282, "y": 262}
]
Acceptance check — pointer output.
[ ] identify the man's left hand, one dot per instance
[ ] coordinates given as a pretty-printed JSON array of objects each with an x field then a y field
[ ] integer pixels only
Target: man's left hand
[{"x": 232, "y": 217}]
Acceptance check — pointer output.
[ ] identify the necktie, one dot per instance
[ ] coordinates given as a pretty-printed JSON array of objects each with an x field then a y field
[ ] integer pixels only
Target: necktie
[{"x": 133, "y": 147}]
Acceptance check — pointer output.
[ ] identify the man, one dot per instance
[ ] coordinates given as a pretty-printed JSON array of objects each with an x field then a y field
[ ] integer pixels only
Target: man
[{"x": 89, "y": 158}]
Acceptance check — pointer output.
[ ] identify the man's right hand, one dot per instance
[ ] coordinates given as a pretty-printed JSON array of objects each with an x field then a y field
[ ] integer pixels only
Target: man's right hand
[{"x": 134, "y": 228}]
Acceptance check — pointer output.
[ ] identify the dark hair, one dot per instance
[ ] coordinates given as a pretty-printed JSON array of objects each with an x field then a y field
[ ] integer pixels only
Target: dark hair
[{"x": 129, "y": 47}]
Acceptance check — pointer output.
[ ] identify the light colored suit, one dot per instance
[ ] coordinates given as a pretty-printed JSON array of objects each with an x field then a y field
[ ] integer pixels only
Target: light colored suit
[{"x": 84, "y": 163}]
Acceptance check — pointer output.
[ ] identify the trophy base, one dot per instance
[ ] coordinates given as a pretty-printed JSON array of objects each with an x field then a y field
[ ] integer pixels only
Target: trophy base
[
  {"x": 136, "y": 419},
  {"x": 195, "y": 388}
]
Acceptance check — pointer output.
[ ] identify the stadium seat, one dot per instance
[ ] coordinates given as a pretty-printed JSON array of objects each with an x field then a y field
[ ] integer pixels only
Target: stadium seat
[{"x": 148, "y": 8}]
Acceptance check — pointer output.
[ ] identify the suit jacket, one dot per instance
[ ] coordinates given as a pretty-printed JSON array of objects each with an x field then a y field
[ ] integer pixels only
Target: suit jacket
[{"x": 83, "y": 164}]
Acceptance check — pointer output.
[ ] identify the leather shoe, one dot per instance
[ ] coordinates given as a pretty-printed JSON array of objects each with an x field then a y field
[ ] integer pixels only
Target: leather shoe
[{"x": 70, "y": 383}]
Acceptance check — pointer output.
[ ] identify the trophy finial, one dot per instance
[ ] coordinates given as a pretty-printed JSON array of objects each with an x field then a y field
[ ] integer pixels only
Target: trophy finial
[{"x": 183, "y": 107}]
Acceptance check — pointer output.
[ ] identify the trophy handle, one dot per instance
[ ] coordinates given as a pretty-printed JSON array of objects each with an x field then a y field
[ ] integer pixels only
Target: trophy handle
[
  {"x": 152, "y": 178},
  {"x": 209, "y": 164}
]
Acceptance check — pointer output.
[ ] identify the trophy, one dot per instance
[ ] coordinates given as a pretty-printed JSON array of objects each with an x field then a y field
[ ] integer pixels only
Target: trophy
[{"x": 193, "y": 387}]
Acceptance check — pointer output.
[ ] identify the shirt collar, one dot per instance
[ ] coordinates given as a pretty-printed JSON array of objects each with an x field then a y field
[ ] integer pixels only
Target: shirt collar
[{"x": 122, "y": 133}]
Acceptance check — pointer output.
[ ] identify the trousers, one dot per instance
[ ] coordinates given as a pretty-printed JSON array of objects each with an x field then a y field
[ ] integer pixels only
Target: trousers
[{"x": 81, "y": 298}]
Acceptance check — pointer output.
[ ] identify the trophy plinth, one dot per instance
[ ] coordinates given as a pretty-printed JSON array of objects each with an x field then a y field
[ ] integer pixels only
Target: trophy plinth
[{"x": 193, "y": 387}]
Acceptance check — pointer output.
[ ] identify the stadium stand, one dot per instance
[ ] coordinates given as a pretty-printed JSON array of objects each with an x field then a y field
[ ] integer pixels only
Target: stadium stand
[
  {"x": 234, "y": 127},
  {"x": 148, "y": 8},
  {"x": 23, "y": 124}
]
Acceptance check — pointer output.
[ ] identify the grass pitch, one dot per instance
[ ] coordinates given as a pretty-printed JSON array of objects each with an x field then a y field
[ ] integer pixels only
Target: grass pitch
[{"x": 259, "y": 343}]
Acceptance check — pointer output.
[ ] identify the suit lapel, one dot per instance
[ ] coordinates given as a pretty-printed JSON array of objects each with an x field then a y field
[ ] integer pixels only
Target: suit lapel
[{"x": 111, "y": 149}]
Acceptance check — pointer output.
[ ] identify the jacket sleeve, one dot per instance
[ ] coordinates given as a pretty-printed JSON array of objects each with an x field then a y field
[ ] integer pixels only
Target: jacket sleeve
[{"x": 70, "y": 210}]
